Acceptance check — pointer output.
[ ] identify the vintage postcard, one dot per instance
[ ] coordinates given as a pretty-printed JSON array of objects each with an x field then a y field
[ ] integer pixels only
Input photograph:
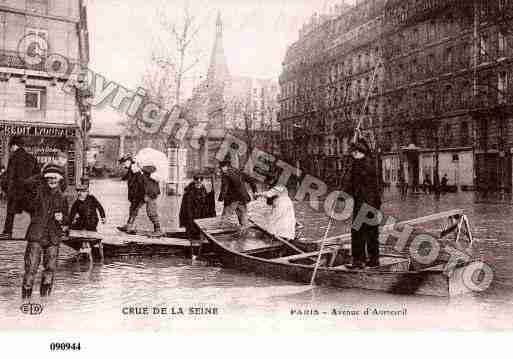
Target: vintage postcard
[{"x": 194, "y": 166}]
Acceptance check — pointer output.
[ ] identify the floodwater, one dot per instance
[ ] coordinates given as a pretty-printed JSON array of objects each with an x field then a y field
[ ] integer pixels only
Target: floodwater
[{"x": 129, "y": 293}]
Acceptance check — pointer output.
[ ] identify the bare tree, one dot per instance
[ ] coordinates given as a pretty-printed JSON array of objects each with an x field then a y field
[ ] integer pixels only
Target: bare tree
[
  {"x": 174, "y": 56},
  {"x": 159, "y": 85},
  {"x": 178, "y": 52}
]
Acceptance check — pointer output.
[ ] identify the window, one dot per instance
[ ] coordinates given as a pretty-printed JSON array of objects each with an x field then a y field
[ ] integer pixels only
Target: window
[
  {"x": 465, "y": 55},
  {"x": 465, "y": 94},
  {"x": 464, "y": 133},
  {"x": 413, "y": 136},
  {"x": 430, "y": 102},
  {"x": 414, "y": 102},
  {"x": 447, "y": 134},
  {"x": 33, "y": 98},
  {"x": 483, "y": 47},
  {"x": 449, "y": 24},
  {"x": 431, "y": 31},
  {"x": 502, "y": 87},
  {"x": 431, "y": 63},
  {"x": 502, "y": 44},
  {"x": 415, "y": 38},
  {"x": 400, "y": 137},
  {"x": 400, "y": 73},
  {"x": 447, "y": 96},
  {"x": 448, "y": 58},
  {"x": 414, "y": 69}
]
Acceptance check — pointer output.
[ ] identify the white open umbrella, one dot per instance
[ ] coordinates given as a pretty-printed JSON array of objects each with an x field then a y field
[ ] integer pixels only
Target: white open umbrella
[{"x": 151, "y": 157}]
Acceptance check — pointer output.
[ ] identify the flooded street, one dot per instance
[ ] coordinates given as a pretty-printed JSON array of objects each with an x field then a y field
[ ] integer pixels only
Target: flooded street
[{"x": 113, "y": 295}]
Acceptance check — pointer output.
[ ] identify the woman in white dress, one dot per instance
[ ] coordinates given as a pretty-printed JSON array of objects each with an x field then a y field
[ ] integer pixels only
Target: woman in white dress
[{"x": 282, "y": 219}]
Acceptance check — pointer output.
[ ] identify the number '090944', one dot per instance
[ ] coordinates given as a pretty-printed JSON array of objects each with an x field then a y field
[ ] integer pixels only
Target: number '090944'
[{"x": 64, "y": 346}]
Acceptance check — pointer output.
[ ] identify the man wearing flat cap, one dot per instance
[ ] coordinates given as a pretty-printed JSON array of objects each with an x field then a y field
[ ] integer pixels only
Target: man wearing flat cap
[
  {"x": 20, "y": 167},
  {"x": 364, "y": 186}
]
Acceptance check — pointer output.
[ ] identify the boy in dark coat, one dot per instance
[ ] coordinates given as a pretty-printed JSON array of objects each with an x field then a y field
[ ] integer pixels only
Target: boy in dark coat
[
  {"x": 48, "y": 220},
  {"x": 21, "y": 166},
  {"x": 364, "y": 186},
  {"x": 87, "y": 208},
  {"x": 234, "y": 193},
  {"x": 136, "y": 191},
  {"x": 196, "y": 203}
]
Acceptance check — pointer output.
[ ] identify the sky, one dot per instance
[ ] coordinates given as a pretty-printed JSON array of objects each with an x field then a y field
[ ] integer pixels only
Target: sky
[{"x": 124, "y": 33}]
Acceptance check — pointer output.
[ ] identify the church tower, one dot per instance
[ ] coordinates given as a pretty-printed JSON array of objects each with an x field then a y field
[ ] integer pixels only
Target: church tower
[{"x": 218, "y": 78}]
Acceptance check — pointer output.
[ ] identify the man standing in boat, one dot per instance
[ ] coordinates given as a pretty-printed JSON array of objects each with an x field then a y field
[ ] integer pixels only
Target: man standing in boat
[
  {"x": 234, "y": 193},
  {"x": 364, "y": 185}
]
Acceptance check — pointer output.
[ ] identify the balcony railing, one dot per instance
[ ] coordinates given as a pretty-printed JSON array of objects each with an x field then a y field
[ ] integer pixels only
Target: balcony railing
[{"x": 12, "y": 59}]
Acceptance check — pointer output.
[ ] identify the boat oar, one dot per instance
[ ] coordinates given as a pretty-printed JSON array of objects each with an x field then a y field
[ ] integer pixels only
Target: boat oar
[{"x": 282, "y": 240}]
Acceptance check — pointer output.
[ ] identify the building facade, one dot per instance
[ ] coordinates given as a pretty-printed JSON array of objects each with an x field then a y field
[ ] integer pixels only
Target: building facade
[
  {"x": 32, "y": 102},
  {"x": 331, "y": 81},
  {"x": 443, "y": 100},
  {"x": 447, "y": 91}
]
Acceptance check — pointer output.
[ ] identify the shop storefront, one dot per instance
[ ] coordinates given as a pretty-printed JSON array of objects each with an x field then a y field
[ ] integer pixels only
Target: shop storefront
[{"x": 44, "y": 142}]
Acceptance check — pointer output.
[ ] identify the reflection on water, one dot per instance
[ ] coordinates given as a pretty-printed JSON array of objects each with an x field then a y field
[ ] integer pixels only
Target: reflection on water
[{"x": 95, "y": 297}]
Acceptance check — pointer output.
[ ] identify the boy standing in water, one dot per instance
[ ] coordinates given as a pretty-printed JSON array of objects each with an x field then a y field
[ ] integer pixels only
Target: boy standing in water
[
  {"x": 86, "y": 207},
  {"x": 48, "y": 220}
]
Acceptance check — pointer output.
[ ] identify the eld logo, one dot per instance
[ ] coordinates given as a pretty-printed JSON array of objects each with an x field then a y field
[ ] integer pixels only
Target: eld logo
[{"x": 31, "y": 308}]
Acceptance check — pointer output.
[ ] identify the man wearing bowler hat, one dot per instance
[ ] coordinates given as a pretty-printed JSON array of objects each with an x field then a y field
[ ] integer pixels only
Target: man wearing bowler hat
[{"x": 364, "y": 186}]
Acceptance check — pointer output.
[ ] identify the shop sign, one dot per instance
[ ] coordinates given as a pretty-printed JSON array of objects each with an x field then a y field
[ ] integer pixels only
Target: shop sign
[{"x": 36, "y": 131}]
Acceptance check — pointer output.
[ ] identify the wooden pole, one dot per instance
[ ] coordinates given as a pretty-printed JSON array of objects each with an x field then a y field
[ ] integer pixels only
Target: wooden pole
[{"x": 323, "y": 243}]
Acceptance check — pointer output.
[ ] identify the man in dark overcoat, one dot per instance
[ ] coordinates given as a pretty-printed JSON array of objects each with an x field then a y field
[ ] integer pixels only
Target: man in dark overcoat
[
  {"x": 20, "y": 167},
  {"x": 197, "y": 203},
  {"x": 364, "y": 186},
  {"x": 234, "y": 193}
]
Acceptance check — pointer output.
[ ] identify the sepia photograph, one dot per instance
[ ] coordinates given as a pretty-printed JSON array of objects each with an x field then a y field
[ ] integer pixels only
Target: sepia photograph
[{"x": 255, "y": 167}]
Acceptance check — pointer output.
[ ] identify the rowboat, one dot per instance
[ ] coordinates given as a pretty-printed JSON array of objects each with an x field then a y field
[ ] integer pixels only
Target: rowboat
[{"x": 258, "y": 251}]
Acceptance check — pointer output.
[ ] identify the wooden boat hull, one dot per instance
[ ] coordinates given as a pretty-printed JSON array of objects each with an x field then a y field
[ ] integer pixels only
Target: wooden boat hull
[{"x": 433, "y": 282}]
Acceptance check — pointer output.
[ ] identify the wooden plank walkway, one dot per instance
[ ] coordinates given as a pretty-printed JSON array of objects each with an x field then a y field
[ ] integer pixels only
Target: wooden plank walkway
[{"x": 120, "y": 238}]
